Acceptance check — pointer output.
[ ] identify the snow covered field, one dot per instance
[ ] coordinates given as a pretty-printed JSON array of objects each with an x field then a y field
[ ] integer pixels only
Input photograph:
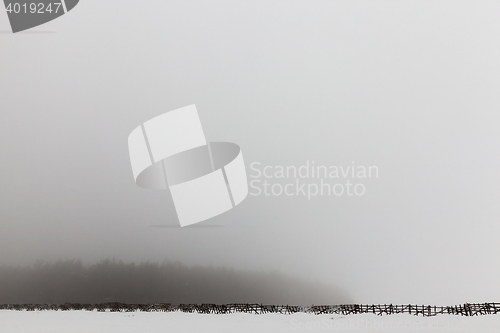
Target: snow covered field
[{"x": 85, "y": 321}]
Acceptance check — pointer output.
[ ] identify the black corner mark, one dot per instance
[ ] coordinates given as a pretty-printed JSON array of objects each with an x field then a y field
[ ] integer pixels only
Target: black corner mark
[{"x": 25, "y": 14}]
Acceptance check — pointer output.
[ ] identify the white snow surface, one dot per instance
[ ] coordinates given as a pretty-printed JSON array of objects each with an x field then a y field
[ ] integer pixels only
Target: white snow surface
[{"x": 93, "y": 321}]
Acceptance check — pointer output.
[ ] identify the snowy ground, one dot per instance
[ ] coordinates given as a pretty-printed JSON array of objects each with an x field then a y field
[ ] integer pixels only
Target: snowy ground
[{"x": 85, "y": 321}]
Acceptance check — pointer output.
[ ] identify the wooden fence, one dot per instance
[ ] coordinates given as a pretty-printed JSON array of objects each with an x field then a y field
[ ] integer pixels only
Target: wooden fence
[{"x": 345, "y": 309}]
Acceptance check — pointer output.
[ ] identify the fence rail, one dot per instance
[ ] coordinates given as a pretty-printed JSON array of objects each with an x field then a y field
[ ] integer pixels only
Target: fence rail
[{"x": 344, "y": 309}]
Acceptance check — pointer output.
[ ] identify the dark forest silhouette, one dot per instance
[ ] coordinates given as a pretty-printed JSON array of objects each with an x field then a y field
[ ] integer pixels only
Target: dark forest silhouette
[{"x": 167, "y": 282}]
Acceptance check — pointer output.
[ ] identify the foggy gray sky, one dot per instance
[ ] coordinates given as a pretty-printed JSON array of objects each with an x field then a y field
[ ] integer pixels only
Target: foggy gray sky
[{"x": 409, "y": 86}]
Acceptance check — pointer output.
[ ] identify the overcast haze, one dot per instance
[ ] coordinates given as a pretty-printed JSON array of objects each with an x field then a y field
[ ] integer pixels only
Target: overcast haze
[{"x": 411, "y": 87}]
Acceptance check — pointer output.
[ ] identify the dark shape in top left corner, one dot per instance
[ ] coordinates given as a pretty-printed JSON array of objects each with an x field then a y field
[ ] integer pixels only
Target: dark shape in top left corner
[{"x": 25, "y": 15}]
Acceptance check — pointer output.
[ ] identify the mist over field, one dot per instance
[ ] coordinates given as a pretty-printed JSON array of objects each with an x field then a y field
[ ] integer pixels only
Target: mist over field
[
  {"x": 151, "y": 282},
  {"x": 409, "y": 87}
]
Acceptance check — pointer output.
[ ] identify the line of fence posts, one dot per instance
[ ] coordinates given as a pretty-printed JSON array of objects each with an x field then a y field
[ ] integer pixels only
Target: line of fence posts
[{"x": 466, "y": 309}]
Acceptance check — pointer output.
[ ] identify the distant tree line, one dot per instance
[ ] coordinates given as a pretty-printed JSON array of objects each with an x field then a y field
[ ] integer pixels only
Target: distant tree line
[{"x": 168, "y": 282}]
